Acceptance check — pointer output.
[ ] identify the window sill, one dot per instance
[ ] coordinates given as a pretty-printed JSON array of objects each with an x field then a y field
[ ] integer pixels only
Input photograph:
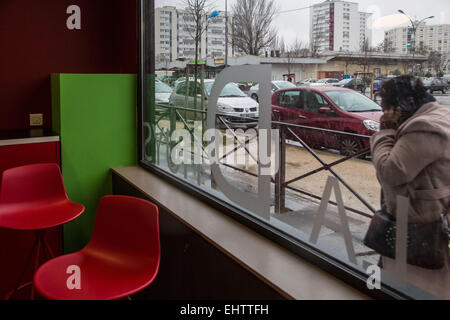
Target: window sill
[{"x": 287, "y": 273}]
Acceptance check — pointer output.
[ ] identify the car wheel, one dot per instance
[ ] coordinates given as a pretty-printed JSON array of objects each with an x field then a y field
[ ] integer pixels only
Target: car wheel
[
  {"x": 350, "y": 146},
  {"x": 431, "y": 91},
  {"x": 255, "y": 97},
  {"x": 443, "y": 91}
]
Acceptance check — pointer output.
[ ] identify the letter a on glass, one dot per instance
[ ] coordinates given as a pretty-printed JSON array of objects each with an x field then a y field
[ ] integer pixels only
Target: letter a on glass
[
  {"x": 333, "y": 183},
  {"x": 74, "y": 20},
  {"x": 74, "y": 281}
]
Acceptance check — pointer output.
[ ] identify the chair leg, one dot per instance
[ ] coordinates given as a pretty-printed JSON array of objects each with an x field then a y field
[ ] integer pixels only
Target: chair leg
[
  {"x": 39, "y": 243},
  {"x": 46, "y": 246},
  {"x": 18, "y": 287},
  {"x": 37, "y": 258}
]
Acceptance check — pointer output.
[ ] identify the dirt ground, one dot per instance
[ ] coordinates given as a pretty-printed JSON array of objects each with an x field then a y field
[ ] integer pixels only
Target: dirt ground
[{"x": 359, "y": 174}]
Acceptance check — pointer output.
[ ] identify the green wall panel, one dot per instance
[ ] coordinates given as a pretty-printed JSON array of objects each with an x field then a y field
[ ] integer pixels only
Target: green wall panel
[{"x": 95, "y": 116}]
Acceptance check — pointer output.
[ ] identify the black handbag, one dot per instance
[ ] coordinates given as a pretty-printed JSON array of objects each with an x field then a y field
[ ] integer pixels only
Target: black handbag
[{"x": 427, "y": 243}]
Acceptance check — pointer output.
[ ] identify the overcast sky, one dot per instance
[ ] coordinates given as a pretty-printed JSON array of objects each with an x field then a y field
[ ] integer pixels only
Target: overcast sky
[{"x": 296, "y": 24}]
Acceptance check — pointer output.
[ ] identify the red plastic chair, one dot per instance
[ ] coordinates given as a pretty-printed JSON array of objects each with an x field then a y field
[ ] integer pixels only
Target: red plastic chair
[
  {"x": 33, "y": 198},
  {"x": 121, "y": 258}
]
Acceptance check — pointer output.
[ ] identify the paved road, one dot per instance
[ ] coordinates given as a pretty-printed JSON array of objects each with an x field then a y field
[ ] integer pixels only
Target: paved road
[{"x": 443, "y": 99}]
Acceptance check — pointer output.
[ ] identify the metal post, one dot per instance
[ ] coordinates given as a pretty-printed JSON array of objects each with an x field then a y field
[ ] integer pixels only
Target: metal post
[
  {"x": 280, "y": 177},
  {"x": 226, "y": 33},
  {"x": 371, "y": 88},
  {"x": 414, "y": 27}
]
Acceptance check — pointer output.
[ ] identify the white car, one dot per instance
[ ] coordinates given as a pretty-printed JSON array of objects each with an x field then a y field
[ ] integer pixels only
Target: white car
[
  {"x": 325, "y": 82},
  {"x": 306, "y": 82},
  {"x": 276, "y": 85},
  {"x": 238, "y": 109},
  {"x": 162, "y": 92}
]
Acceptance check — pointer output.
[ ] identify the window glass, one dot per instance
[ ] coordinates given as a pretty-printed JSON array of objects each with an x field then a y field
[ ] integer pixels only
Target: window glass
[
  {"x": 230, "y": 90},
  {"x": 284, "y": 84},
  {"x": 289, "y": 99},
  {"x": 162, "y": 87},
  {"x": 181, "y": 88},
  {"x": 352, "y": 101},
  {"x": 311, "y": 101},
  {"x": 304, "y": 173}
]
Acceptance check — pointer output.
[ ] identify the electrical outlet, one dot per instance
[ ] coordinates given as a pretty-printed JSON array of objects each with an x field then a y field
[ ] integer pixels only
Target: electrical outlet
[{"x": 36, "y": 120}]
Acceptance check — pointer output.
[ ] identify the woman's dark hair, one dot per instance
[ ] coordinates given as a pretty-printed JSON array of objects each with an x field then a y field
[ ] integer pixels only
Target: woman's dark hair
[{"x": 406, "y": 92}]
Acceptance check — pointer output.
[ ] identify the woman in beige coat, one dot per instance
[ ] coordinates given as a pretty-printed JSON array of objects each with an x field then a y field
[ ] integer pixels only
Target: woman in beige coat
[{"x": 411, "y": 154}]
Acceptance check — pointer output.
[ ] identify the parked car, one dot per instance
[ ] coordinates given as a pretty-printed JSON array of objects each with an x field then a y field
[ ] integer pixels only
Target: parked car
[
  {"x": 435, "y": 84},
  {"x": 242, "y": 111},
  {"x": 446, "y": 81},
  {"x": 329, "y": 108},
  {"x": 325, "y": 82},
  {"x": 182, "y": 79},
  {"x": 377, "y": 86},
  {"x": 305, "y": 82},
  {"x": 162, "y": 92},
  {"x": 350, "y": 84},
  {"x": 276, "y": 85}
]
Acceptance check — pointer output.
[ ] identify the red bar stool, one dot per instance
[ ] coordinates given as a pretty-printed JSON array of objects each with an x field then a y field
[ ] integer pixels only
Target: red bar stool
[
  {"x": 121, "y": 258},
  {"x": 33, "y": 198}
]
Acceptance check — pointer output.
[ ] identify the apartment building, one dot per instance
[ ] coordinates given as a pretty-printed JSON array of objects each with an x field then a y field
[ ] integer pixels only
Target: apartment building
[
  {"x": 215, "y": 36},
  {"x": 175, "y": 33},
  {"x": 166, "y": 34},
  {"x": 338, "y": 26},
  {"x": 431, "y": 37},
  {"x": 428, "y": 37}
]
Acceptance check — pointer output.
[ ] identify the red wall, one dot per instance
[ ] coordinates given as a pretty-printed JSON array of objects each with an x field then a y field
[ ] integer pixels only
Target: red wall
[{"x": 35, "y": 42}]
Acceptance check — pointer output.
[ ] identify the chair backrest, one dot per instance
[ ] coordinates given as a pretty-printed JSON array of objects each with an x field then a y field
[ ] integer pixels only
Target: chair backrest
[
  {"x": 126, "y": 226},
  {"x": 35, "y": 182}
]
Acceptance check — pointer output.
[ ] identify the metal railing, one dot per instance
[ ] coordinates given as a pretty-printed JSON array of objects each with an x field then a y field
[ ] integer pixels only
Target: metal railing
[{"x": 175, "y": 115}]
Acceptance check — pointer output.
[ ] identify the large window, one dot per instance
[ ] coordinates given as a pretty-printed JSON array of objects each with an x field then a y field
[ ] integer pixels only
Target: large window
[{"x": 293, "y": 162}]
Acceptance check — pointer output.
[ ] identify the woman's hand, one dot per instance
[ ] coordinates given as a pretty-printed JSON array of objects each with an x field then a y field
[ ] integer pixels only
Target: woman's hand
[{"x": 390, "y": 119}]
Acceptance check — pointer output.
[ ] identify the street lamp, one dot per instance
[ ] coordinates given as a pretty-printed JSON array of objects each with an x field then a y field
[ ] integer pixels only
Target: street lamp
[
  {"x": 414, "y": 25},
  {"x": 414, "y": 28}
]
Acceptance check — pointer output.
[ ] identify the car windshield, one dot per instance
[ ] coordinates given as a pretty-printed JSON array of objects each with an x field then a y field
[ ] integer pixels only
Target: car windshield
[
  {"x": 345, "y": 81},
  {"x": 284, "y": 84},
  {"x": 352, "y": 101},
  {"x": 161, "y": 87},
  {"x": 231, "y": 90}
]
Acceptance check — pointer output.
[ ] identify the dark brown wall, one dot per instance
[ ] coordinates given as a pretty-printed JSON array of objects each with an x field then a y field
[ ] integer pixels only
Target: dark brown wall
[
  {"x": 35, "y": 42},
  {"x": 192, "y": 268}
]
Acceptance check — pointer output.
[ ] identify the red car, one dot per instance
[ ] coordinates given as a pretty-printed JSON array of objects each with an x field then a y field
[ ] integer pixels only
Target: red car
[{"x": 329, "y": 108}]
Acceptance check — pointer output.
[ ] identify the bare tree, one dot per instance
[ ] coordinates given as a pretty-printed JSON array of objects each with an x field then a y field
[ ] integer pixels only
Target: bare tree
[
  {"x": 366, "y": 49},
  {"x": 300, "y": 49},
  {"x": 293, "y": 51},
  {"x": 254, "y": 25},
  {"x": 422, "y": 49},
  {"x": 385, "y": 46},
  {"x": 282, "y": 46},
  {"x": 437, "y": 62},
  {"x": 290, "y": 56},
  {"x": 197, "y": 12}
]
